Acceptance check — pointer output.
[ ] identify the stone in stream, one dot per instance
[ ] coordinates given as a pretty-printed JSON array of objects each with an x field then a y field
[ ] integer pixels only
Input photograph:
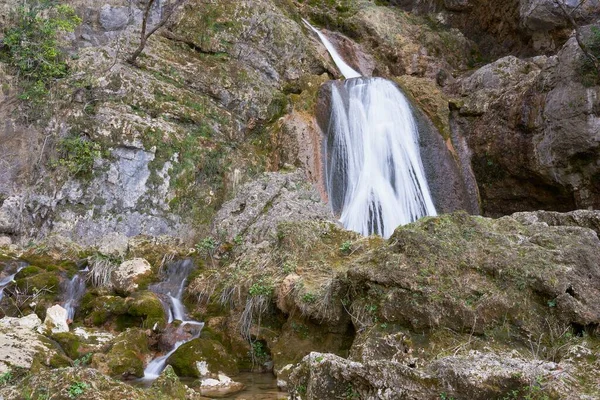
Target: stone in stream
[{"x": 56, "y": 319}]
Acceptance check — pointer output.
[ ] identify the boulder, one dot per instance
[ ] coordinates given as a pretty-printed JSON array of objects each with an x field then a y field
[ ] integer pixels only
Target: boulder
[
  {"x": 126, "y": 357},
  {"x": 114, "y": 18},
  {"x": 125, "y": 278},
  {"x": 474, "y": 375},
  {"x": 202, "y": 357},
  {"x": 56, "y": 319},
  {"x": 223, "y": 386},
  {"x": 22, "y": 347},
  {"x": 546, "y": 15}
]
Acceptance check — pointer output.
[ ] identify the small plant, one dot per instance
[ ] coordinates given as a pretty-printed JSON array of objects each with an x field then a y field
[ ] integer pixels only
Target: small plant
[
  {"x": 346, "y": 247},
  {"x": 5, "y": 378},
  {"x": 238, "y": 240},
  {"x": 444, "y": 396},
  {"x": 301, "y": 389},
  {"x": 289, "y": 267},
  {"x": 77, "y": 389},
  {"x": 261, "y": 288},
  {"x": 207, "y": 247},
  {"x": 309, "y": 297},
  {"x": 351, "y": 393},
  {"x": 83, "y": 360},
  {"x": 259, "y": 352}
]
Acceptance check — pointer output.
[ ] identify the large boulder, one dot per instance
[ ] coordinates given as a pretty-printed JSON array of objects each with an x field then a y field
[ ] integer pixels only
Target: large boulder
[
  {"x": 22, "y": 347},
  {"x": 126, "y": 357},
  {"x": 474, "y": 375},
  {"x": 202, "y": 358}
]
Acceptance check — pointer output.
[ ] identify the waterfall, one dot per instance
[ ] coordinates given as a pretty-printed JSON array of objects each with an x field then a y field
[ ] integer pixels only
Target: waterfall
[
  {"x": 9, "y": 278},
  {"x": 344, "y": 68},
  {"x": 171, "y": 289},
  {"x": 75, "y": 289},
  {"x": 374, "y": 174}
]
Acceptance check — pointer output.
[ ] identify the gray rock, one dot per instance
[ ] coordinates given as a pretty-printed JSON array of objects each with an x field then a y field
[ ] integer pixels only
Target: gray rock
[
  {"x": 583, "y": 218},
  {"x": 261, "y": 205},
  {"x": 475, "y": 375},
  {"x": 532, "y": 128},
  {"x": 546, "y": 15},
  {"x": 114, "y": 18},
  {"x": 56, "y": 319},
  {"x": 10, "y": 214}
]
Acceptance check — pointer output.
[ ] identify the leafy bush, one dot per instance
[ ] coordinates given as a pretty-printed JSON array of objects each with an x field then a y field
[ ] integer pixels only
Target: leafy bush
[
  {"x": 77, "y": 155},
  {"x": 32, "y": 45}
]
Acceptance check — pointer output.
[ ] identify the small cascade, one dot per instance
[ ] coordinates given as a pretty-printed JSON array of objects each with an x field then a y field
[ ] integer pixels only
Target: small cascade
[
  {"x": 344, "y": 68},
  {"x": 9, "y": 278},
  {"x": 171, "y": 292},
  {"x": 374, "y": 175},
  {"x": 74, "y": 291}
]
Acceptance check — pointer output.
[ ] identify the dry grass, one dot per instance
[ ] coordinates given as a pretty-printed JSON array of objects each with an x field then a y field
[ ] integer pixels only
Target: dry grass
[{"x": 101, "y": 268}]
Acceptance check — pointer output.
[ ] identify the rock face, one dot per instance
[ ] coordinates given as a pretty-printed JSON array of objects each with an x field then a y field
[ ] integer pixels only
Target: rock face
[
  {"x": 532, "y": 129},
  {"x": 262, "y": 204},
  {"x": 124, "y": 278},
  {"x": 546, "y": 15}
]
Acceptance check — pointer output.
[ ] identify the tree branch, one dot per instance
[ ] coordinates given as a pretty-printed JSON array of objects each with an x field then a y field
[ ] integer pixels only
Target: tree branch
[
  {"x": 145, "y": 36},
  {"x": 580, "y": 42}
]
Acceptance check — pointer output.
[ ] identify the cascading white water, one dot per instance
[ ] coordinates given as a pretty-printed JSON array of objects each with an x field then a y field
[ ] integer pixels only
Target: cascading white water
[
  {"x": 8, "y": 279},
  {"x": 374, "y": 174},
  {"x": 344, "y": 68},
  {"x": 75, "y": 289},
  {"x": 172, "y": 288}
]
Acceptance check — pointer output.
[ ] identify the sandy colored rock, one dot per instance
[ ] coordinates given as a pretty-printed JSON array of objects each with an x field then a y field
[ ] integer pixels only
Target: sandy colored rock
[
  {"x": 124, "y": 278},
  {"x": 56, "y": 319}
]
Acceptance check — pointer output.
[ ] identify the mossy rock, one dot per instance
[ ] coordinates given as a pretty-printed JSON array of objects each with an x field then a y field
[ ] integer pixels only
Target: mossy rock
[
  {"x": 69, "y": 342},
  {"x": 126, "y": 357},
  {"x": 212, "y": 352},
  {"x": 43, "y": 280},
  {"x": 147, "y": 305},
  {"x": 168, "y": 384},
  {"x": 100, "y": 310}
]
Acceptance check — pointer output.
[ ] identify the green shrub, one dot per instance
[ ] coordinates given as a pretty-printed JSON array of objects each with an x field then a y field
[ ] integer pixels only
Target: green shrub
[
  {"x": 77, "y": 155},
  {"x": 32, "y": 46}
]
